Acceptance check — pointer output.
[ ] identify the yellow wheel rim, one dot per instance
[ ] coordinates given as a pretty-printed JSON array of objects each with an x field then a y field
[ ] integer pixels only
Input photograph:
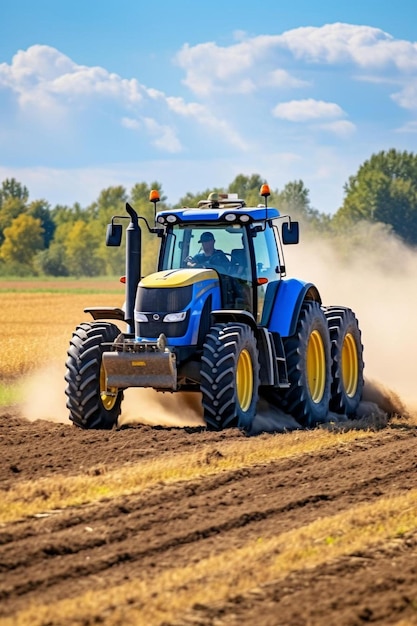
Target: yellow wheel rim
[
  {"x": 244, "y": 380},
  {"x": 108, "y": 395},
  {"x": 350, "y": 370},
  {"x": 316, "y": 366}
]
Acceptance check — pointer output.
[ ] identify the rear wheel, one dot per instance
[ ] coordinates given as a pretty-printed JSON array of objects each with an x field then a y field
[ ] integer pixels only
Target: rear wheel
[
  {"x": 347, "y": 360},
  {"x": 308, "y": 363},
  {"x": 230, "y": 376},
  {"x": 90, "y": 402}
]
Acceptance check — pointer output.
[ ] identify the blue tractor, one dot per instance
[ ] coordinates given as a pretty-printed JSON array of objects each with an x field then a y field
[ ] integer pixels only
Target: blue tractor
[{"x": 219, "y": 317}]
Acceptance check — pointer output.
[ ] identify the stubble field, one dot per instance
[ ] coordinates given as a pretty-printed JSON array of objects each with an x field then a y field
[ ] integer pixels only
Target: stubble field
[{"x": 153, "y": 523}]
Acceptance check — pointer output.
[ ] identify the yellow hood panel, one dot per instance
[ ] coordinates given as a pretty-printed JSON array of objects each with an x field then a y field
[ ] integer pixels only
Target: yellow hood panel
[{"x": 177, "y": 278}]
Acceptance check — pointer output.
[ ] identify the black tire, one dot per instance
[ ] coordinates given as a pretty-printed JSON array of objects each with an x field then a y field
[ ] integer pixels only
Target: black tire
[
  {"x": 308, "y": 364},
  {"x": 347, "y": 360},
  {"x": 86, "y": 380},
  {"x": 229, "y": 376}
]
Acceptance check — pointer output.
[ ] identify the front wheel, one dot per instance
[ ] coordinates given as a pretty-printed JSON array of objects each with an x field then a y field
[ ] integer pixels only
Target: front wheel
[
  {"x": 90, "y": 402},
  {"x": 230, "y": 376},
  {"x": 347, "y": 360},
  {"x": 308, "y": 363}
]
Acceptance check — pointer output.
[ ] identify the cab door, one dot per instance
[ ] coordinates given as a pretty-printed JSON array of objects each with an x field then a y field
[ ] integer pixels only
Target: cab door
[{"x": 267, "y": 265}]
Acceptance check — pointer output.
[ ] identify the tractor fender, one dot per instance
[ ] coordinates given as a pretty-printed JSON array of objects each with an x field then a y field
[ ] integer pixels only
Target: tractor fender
[
  {"x": 232, "y": 315},
  {"x": 286, "y": 304}
]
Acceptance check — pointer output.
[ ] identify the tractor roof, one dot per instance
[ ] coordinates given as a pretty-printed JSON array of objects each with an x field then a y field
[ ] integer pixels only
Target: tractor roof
[
  {"x": 254, "y": 214},
  {"x": 218, "y": 208}
]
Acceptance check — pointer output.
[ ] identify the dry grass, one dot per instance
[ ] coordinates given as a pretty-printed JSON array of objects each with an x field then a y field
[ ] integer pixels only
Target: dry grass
[{"x": 37, "y": 325}]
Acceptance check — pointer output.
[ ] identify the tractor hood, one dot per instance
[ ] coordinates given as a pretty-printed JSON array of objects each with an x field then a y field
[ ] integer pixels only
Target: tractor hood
[{"x": 177, "y": 278}]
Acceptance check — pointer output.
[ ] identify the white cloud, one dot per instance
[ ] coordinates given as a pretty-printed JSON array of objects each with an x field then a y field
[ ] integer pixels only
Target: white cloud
[
  {"x": 129, "y": 122},
  {"x": 407, "y": 98},
  {"x": 242, "y": 66},
  {"x": 364, "y": 46},
  {"x": 41, "y": 76},
  {"x": 340, "y": 128},
  {"x": 410, "y": 127},
  {"x": 306, "y": 110},
  {"x": 52, "y": 85},
  {"x": 281, "y": 78},
  {"x": 164, "y": 136},
  {"x": 202, "y": 114},
  {"x": 207, "y": 64}
]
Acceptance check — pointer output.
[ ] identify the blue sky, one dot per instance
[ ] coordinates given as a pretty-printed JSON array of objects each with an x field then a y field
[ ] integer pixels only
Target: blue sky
[{"x": 99, "y": 93}]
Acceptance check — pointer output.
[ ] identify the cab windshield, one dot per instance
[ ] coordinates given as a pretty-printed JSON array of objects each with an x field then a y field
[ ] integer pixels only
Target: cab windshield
[{"x": 195, "y": 245}]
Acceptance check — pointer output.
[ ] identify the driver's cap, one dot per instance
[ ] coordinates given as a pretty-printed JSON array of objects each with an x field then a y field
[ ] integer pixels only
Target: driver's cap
[{"x": 207, "y": 236}]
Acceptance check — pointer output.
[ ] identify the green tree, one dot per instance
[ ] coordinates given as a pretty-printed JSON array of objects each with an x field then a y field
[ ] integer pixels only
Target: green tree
[
  {"x": 110, "y": 201},
  {"x": 11, "y": 188},
  {"x": 248, "y": 188},
  {"x": 22, "y": 240},
  {"x": 62, "y": 214},
  {"x": 41, "y": 210},
  {"x": 13, "y": 199},
  {"x": 294, "y": 199},
  {"x": 192, "y": 199},
  {"x": 9, "y": 210},
  {"x": 52, "y": 261},
  {"x": 384, "y": 190},
  {"x": 81, "y": 251}
]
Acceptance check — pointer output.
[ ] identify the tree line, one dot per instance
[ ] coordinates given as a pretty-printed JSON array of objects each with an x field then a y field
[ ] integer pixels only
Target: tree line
[{"x": 36, "y": 239}]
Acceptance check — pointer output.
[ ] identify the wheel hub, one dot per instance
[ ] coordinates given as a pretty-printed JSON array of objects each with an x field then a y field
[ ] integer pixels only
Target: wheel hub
[
  {"x": 316, "y": 366},
  {"x": 350, "y": 372},
  {"x": 244, "y": 380},
  {"x": 108, "y": 395}
]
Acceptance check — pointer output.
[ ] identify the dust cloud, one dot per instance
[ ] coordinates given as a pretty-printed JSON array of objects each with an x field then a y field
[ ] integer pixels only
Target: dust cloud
[
  {"x": 44, "y": 395},
  {"x": 374, "y": 274},
  {"x": 369, "y": 270},
  {"x": 44, "y": 398},
  {"x": 147, "y": 406}
]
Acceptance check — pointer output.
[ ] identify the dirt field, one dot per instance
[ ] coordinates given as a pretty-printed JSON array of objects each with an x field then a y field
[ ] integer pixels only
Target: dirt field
[{"x": 59, "y": 556}]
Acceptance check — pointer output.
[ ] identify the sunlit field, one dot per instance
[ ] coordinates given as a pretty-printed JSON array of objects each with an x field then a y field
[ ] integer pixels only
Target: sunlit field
[
  {"x": 37, "y": 319},
  {"x": 231, "y": 516}
]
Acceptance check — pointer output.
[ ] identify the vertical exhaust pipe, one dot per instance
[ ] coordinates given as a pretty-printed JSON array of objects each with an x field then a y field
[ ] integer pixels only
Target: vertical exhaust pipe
[{"x": 133, "y": 265}]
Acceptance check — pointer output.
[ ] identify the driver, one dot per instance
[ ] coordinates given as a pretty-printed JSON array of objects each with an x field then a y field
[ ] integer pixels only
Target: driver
[{"x": 209, "y": 257}]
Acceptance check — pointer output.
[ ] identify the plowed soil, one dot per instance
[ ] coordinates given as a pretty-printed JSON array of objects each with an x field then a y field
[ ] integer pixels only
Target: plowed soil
[{"x": 61, "y": 555}]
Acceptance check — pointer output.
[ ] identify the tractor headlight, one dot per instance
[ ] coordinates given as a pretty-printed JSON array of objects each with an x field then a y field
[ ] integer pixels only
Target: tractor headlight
[
  {"x": 140, "y": 317},
  {"x": 244, "y": 218},
  {"x": 171, "y": 219},
  {"x": 230, "y": 217},
  {"x": 175, "y": 317}
]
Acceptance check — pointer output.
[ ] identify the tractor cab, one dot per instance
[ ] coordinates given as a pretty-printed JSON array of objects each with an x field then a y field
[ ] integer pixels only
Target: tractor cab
[{"x": 243, "y": 247}]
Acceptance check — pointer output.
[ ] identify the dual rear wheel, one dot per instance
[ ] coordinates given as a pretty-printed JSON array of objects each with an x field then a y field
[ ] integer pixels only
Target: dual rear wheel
[{"x": 325, "y": 364}]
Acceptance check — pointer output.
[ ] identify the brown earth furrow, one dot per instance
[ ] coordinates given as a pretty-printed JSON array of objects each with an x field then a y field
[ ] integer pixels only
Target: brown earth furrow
[
  {"x": 29, "y": 448},
  {"x": 277, "y": 475},
  {"x": 377, "y": 586},
  {"x": 135, "y": 536}
]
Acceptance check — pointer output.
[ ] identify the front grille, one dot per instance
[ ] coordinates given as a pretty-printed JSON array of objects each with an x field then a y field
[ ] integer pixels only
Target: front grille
[
  {"x": 154, "y": 328},
  {"x": 170, "y": 300}
]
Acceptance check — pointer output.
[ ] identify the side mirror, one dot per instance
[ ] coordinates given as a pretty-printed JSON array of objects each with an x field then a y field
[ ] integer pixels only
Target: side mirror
[
  {"x": 113, "y": 234},
  {"x": 290, "y": 233}
]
